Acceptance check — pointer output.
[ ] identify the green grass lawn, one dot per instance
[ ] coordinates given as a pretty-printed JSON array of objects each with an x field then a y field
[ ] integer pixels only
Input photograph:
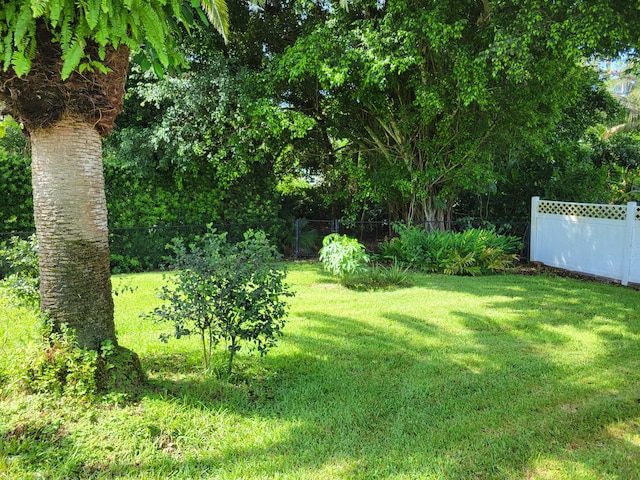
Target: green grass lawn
[{"x": 500, "y": 377}]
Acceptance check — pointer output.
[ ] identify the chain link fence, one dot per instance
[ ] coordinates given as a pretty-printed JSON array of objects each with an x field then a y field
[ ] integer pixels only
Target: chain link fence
[
  {"x": 309, "y": 233},
  {"x": 135, "y": 249}
]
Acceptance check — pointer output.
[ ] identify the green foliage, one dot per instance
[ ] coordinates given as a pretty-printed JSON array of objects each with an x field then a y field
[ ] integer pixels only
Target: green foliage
[
  {"x": 379, "y": 277},
  {"x": 420, "y": 105},
  {"x": 230, "y": 293},
  {"x": 472, "y": 252},
  {"x": 347, "y": 259},
  {"x": 193, "y": 149},
  {"x": 556, "y": 163},
  {"x": 151, "y": 23},
  {"x": 59, "y": 367},
  {"x": 620, "y": 156},
  {"x": 342, "y": 255},
  {"x": 308, "y": 238},
  {"x": 16, "y": 203},
  {"x": 19, "y": 264},
  {"x": 425, "y": 97}
]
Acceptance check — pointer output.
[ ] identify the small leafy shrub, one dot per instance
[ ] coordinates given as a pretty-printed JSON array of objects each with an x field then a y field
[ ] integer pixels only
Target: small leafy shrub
[
  {"x": 472, "y": 252},
  {"x": 343, "y": 256},
  {"x": 394, "y": 274},
  {"x": 19, "y": 258},
  {"x": 226, "y": 292},
  {"x": 59, "y": 367}
]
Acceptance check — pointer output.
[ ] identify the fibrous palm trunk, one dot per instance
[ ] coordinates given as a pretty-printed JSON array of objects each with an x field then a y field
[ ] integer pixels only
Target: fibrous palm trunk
[
  {"x": 71, "y": 224},
  {"x": 65, "y": 121}
]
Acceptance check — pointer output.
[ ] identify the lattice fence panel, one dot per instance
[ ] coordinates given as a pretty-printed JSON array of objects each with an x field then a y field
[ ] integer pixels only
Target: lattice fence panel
[{"x": 612, "y": 212}]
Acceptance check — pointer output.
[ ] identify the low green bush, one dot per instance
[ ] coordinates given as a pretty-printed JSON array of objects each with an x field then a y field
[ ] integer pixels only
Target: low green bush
[
  {"x": 58, "y": 367},
  {"x": 226, "y": 293},
  {"x": 347, "y": 259},
  {"x": 472, "y": 252},
  {"x": 342, "y": 255},
  {"x": 379, "y": 277}
]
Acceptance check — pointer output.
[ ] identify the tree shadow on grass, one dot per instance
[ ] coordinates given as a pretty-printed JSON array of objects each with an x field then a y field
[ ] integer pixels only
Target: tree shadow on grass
[
  {"x": 420, "y": 401},
  {"x": 553, "y": 297},
  {"x": 411, "y": 398},
  {"x": 583, "y": 405}
]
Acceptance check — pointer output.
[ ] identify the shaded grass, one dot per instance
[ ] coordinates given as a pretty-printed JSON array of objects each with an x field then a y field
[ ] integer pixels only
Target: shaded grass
[{"x": 456, "y": 377}]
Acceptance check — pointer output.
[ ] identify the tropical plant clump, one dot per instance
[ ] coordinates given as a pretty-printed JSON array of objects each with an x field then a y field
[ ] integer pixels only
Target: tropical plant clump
[
  {"x": 379, "y": 277},
  {"x": 347, "y": 259},
  {"x": 59, "y": 367},
  {"x": 342, "y": 255},
  {"x": 472, "y": 252},
  {"x": 226, "y": 293}
]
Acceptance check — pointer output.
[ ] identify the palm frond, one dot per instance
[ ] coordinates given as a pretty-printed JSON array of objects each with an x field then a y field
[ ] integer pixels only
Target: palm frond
[
  {"x": 622, "y": 128},
  {"x": 217, "y": 12}
]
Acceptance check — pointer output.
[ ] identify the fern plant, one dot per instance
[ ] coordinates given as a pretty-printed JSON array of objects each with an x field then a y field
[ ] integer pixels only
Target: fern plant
[
  {"x": 472, "y": 252},
  {"x": 457, "y": 264},
  {"x": 74, "y": 24}
]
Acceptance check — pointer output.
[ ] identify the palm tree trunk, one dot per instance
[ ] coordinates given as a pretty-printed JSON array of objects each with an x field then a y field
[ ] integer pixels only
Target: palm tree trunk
[{"x": 71, "y": 225}]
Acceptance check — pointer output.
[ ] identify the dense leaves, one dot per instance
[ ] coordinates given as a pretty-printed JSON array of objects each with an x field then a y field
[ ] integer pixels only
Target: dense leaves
[
  {"x": 226, "y": 292},
  {"x": 472, "y": 252},
  {"x": 73, "y": 25},
  {"x": 426, "y": 100},
  {"x": 16, "y": 204},
  {"x": 19, "y": 270},
  {"x": 342, "y": 255},
  {"x": 395, "y": 110}
]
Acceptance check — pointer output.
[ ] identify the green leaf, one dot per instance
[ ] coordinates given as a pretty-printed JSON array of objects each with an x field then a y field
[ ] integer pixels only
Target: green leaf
[
  {"x": 72, "y": 59},
  {"x": 21, "y": 64},
  {"x": 218, "y": 14},
  {"x": 154, "y": 32},
  {"x": 92, "y": 13},
  {"x": 158, "y": 69},
  {"x": 38, "y": 7},
  {"x": 24, "y": 21},
  {"x": 106, "y": 6},
  {"x": 7, "y": 51},
  {"x": 55, "y": 10},
  {"x": 141, "y": 59},
  {"x": 187, "y": 14}
]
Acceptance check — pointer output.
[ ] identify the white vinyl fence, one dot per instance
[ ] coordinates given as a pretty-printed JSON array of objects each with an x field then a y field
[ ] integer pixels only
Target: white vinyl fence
[{"x": 600, "y": 240}]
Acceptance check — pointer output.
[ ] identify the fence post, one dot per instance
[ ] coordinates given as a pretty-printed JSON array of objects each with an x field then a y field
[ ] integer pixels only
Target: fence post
[
  {"x": 533, "y": 238},
  {"x": 296, "y": 247},
  {"x": 628, "y": 242}
]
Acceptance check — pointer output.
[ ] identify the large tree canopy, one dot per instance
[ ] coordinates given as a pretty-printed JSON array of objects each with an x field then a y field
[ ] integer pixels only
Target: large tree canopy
[
  {"x": 406, "y": 106},
  {"x": 428, "y": 96}
]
